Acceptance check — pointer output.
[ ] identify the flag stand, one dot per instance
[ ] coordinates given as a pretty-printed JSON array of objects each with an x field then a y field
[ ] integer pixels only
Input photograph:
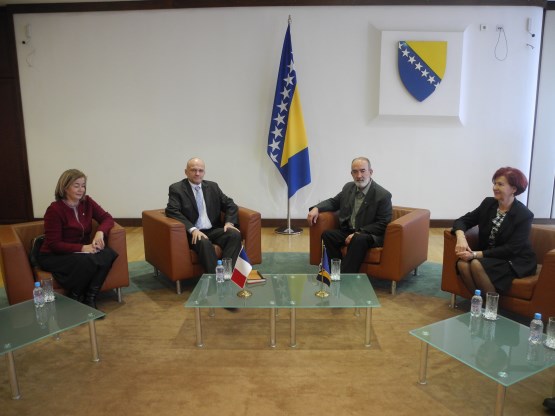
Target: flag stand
[
  {"x": 322, "y": 293},
  {"x": 244, "y": 293},
  {"x": 288, "y": 230}
]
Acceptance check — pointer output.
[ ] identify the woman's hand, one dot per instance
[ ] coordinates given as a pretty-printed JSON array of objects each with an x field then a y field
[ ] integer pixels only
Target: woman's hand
[
  {"x": 89, "y": 248},
  {"x": 466, "y": 255},
  {"x": 98, "y": 241},
  {"x": 462, "y": 249},
  {"x": 462, "y": 244}
]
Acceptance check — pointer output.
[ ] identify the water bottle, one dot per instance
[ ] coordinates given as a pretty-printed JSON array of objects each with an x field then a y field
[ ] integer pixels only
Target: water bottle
[
  {"x": 536, "y": 329},
  {"x": 38, "y": 295},
  {"x": 476, "y": 303},
  {"x": 219, "y": 272}
]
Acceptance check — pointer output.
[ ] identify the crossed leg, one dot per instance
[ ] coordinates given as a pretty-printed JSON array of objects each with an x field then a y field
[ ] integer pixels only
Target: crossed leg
[{"x": 474, "y": 276}]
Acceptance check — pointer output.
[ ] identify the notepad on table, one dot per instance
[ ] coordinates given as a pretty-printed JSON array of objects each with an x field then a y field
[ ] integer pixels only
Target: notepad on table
[{"x": 255, "y": 277}]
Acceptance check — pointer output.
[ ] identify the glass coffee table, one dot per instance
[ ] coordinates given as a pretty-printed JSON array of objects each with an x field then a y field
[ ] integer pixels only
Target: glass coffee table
[
  {"x": 284, "y": 291},
  {"x": 22, "y": 324},
  {"x": 497, "y": 349}
]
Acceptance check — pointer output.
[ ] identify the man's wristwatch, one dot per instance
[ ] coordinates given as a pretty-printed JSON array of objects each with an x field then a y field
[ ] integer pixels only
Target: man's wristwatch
[{"x": 474, "y": 255}]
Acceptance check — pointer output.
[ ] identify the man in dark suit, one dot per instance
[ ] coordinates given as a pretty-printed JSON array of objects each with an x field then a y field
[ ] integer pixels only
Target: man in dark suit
[
  {"x": 199, "y": 205},
  {"x": 364, "y": 211}
]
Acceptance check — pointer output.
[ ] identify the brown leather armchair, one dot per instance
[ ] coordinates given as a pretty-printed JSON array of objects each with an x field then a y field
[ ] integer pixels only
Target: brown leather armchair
[
  {"x": 405, "y": 244},
  {"x": 167, "y": 247},
  {"x": 19, "y": 276},
  {"x": 527, "y": 295}
]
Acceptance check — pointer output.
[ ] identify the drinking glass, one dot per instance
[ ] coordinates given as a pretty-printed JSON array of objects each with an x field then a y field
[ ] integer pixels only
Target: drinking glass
[
  {"x": 48, "y": 289},
  {"x": 550, "y": 340},
  {"x": 335, "y": 269},
  {"x": 227, "y": 268},
  {"x": 492, "y": 299}
]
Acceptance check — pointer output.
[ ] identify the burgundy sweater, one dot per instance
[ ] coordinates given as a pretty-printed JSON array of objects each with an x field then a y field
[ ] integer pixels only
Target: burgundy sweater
[{"x": 65, "y": 233}]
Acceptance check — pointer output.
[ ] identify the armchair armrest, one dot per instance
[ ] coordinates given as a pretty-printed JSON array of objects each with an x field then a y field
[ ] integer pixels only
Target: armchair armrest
[
  {"x": 119, "y": 273},
  {"x": 405, "y": 244},
  {"x": 250, "y": 225},
  {"x": 326, "y": 220},
  {"x": 16, "y": 269},
  {"x": 165, "y": 239},
  {"x": 450, "y": 282},
  {"x": 544, "y": 291}
]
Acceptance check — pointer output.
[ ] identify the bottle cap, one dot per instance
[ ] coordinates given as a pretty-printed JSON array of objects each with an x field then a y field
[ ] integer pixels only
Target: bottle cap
[
  {"x": 37, "y": 284},
  {"x": 537, "y": 316},
  {"x": 478, "y": 292},
  {"x": 219, "y": 262}
]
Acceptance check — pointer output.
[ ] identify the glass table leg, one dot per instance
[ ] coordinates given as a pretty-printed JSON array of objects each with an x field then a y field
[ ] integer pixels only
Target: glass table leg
[
  {"x": 12, "y": 375},
  {"x": 368, "y": 327},
  {"x": 423, "y": 363},
  {"x": 500, "y": 400},
  {"x": 272, "y": 327},
  {"x": 198, "y": 327},
  {"x": 293, "y": 329},
  {"x": 94, "y": 343}
]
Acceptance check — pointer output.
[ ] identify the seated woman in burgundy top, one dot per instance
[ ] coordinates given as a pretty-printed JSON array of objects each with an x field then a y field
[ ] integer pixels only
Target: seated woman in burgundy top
[{"x": 78, "y": 262}]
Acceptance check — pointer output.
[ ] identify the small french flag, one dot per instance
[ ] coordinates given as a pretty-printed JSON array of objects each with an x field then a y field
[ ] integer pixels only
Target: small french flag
[{"x": 242, "y": 269}]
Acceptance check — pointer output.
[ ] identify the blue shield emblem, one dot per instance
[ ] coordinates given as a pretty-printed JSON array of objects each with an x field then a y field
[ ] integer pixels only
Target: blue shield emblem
[{"x": 421, "y": 66}]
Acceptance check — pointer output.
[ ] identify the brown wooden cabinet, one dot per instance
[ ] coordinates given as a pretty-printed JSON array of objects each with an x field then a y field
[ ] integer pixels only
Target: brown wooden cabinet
[{"x": 15, "y": 189}]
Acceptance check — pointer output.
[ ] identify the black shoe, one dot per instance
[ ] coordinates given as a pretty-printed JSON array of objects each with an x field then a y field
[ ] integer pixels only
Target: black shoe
[
  {"x": 90, "y": 296},
  {"x": 234, "y": 310},
  {"x": 549, "y": 403}
]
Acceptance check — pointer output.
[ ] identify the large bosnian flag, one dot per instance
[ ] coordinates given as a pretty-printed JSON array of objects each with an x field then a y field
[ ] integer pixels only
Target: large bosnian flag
[
  {"x": 287, "y": 141},
  {"x": 242, "y": 269},
  {"x": 421, "y": 66}
]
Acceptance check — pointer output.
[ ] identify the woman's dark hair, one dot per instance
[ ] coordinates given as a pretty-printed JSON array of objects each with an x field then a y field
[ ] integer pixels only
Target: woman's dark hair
[{"x": 514, "y": 177}]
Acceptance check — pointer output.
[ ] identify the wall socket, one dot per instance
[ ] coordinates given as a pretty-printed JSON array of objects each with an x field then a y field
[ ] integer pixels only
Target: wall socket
[
  {"x": 499, "y": 28},
  {"x": 483, "y": 27}
]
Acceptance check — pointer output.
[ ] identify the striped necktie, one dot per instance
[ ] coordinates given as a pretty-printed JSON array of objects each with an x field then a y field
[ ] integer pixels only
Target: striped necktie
[{"x": 203, "y": 223}]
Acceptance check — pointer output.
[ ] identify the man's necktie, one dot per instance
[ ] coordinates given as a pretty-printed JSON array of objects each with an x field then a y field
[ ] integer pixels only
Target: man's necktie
[{"x": 203, "y": 223}]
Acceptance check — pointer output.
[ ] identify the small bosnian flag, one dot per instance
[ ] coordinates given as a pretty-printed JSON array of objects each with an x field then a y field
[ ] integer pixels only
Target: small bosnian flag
[
  {"x": 242, "y": 269},
  {"x": 324, "y": 272}
]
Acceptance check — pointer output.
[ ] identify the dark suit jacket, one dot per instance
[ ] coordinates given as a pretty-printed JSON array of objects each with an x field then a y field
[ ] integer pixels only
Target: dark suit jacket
[
  {"x": 512, "y": 242},
  {"x": 183, "y": 207},
  {"x": 374, "y": 213}
]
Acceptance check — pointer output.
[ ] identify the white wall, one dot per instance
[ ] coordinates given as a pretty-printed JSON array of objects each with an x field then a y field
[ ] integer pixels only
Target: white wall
[{"x": 128, "y": 97}]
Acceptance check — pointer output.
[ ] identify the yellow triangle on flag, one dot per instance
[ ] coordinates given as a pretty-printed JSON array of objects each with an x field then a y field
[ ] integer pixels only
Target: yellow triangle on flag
[
  {"x": 434, "y": 53},
  {"x": 295, "y": 137}
]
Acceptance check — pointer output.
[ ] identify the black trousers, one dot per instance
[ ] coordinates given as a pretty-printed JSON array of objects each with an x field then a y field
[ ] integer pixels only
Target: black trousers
[
  {"x": 77, "y": 272},
  {"x": 229, "y": 241},
  {"x": 334, "y": 240}
]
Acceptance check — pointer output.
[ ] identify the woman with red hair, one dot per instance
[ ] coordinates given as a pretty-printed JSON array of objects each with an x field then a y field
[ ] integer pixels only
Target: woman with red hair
[{"x": 504, "y": 252}]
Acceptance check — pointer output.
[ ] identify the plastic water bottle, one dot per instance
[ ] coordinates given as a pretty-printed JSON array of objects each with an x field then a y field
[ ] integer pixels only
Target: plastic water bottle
[
  {"x": 536, "y": 329},
  {"x": 476, "y": 303},
  {"x": 219, "y": 272},
  {"x": 38, "y": 295}
]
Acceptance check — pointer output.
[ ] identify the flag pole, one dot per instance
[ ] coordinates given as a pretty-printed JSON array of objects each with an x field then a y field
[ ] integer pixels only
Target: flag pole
[
  {"x": 322, "y": 293},
  {"x": 288, "y": 230}
]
